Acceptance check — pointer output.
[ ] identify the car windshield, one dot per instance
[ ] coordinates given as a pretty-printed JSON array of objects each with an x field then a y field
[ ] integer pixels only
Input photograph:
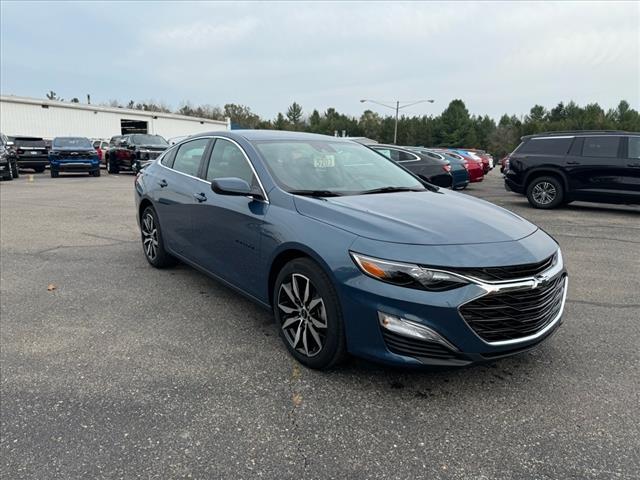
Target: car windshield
[
  {"x": 72, "y": 142},
  {"x": 329, "y": 167},
  {"x": 142, "y": 139}
]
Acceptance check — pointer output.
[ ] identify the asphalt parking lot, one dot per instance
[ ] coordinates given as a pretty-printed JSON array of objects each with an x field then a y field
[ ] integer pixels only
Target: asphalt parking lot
[{"x": 112, "y": 369}]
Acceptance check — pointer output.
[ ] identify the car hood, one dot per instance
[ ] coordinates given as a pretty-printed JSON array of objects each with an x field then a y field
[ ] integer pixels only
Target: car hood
[{"x": 419, "y": 218}]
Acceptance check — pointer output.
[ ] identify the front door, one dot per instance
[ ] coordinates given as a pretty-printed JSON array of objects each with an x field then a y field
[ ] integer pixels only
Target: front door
[{"x": 228, "y": 228}]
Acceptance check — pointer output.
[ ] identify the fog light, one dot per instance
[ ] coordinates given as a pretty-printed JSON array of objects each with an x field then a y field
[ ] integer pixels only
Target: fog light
[{"x": 408, "y": 328}]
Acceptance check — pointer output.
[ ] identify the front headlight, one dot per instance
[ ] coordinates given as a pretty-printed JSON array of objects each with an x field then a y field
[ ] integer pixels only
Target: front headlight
[{"x": 407, "y": 275}]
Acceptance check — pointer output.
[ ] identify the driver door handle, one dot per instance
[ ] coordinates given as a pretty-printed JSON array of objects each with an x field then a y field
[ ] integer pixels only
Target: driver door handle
[
  {"x": 200, "y": 197},
  {"x": 163, "y": 183}
]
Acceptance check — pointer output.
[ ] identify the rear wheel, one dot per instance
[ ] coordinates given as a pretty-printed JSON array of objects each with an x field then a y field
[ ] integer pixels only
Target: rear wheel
[
  {"x": 152, "y": 240},
  {"x": 308, "y": 315},
  {"x": 545, "y": 192}
]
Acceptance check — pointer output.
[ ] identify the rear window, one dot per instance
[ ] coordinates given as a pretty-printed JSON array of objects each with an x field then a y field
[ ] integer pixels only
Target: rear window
[
  {"x": 546, "y": 146},
  {"x": 601, "y": 147},
  {"x": 30, "y": 142}
]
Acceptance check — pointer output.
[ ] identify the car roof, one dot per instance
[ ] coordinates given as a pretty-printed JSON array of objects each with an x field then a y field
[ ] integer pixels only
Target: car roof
[
  {"x": 578, "y": 133},
  {"x": 252, "y": 135}
]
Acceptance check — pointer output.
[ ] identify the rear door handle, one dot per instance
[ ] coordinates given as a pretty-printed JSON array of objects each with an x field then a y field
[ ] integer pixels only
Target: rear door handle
[
  {"x": 573, "y": 163},
  {"x": 200, "y": 197},
  {"x": 163, "y": 183},
  {"x": 633, "y": 165}
]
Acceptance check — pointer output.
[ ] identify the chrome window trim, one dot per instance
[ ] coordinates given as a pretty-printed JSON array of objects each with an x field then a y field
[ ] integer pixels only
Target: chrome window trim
[{"x": 188, "y": 139}]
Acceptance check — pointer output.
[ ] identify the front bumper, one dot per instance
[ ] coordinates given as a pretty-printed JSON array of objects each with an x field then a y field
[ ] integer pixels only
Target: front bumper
[
  {"x": 74, "y": 166},
  {"x": 364, "y": 299}
]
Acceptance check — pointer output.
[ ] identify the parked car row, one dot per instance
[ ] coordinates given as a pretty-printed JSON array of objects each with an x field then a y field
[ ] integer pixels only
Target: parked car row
[
  {"x": 78, "y": 154},
  {"x": 444, "y": 167}
]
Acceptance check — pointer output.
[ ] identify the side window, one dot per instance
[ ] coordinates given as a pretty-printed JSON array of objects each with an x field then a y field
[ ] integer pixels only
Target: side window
[
  {"x": 188, "y": 156},
  {"x": 227, "y": 160},
  {"x": 169, "y": 157},
  {"x": 601, "y": 147},
  {"x": 384, "y": 151},
  {"x": 634, "y": 147},
  {"x": 546, "y": 146},
  {"x": 406, "y": 156}
]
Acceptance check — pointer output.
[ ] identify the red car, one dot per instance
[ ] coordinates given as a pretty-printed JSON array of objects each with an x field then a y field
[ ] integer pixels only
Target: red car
[
  {"x": 474, "y": 167},
  {"x": 482, "y": 156}
]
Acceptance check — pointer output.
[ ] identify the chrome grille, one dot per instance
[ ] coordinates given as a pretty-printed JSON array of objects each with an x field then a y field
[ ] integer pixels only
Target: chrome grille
[{"x": 510, "y": 315}]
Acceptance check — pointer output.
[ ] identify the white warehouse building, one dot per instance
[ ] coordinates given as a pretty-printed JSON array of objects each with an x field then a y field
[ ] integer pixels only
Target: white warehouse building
[{"x": 34, "y": 117}]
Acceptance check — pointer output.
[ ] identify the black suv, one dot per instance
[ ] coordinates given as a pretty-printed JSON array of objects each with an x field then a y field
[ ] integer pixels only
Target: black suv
[
  {"x": 31, "y": 152},
  {"x": 553, "y": 169},
  {"x": 132, "y": 152}
]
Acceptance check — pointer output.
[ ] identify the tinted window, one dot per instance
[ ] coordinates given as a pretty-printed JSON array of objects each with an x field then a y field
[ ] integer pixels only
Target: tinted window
[
  {"x": 150, "y": 140},
  {"x": 189, "y": 155},
  {"x": 168, "y": 158},
  {"x": 634, "y": 147},
  {"x": 406, "y": 156},
  {"x": 30, "y": 142},
  {"x": 386, "y": 152},
  {"x": 546, "y": 146},
  {"x": 601, "y": 147},
  {"x": 227, "y": 160}
]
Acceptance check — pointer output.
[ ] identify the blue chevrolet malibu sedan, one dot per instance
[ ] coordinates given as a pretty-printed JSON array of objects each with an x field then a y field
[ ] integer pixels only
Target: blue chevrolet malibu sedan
[{"x": 352, "y": 253}]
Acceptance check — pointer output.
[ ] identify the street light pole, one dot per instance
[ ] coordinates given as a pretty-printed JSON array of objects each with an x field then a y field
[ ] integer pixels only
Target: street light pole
[
  {"x": 397, "y": 108},
  {"x": 395, "y": 129}
]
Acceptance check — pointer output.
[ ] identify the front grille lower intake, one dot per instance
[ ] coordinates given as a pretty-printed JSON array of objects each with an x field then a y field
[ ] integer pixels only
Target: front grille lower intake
[
  {"x": 412, "y": 347},
  {"x": 515, "y": 314}
]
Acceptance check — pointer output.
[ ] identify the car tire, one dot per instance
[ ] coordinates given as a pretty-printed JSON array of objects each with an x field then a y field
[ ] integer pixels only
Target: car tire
[
  {"x": 95, "y": 173},
  {"x": 545, "y": 192},
  {"x": 153, "y": 241},
  {"x": 308, "y": 315},
  {"x": 111, "y": 168},
  {"x": 54, "y": 173},
  {"x": 14, "y": 170}
]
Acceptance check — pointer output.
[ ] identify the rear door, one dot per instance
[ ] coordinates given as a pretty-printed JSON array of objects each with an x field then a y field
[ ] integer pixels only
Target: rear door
[
  {"x": 630, "y": 164},
  {"x": 594, "y": 166},
  {"x": 177, "y": 180}
]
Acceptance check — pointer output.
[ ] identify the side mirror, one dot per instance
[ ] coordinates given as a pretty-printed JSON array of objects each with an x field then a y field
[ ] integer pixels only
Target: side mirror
[{"x": 231, "y": 186}]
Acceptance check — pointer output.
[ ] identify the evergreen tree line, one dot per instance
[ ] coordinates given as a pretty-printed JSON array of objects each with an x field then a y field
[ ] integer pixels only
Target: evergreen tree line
[{"x": 454, "y": 127}]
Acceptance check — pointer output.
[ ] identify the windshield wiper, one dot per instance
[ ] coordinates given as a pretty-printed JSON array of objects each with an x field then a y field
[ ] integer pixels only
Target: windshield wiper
[
  {"x": 315, "y": 193},
  {"x": 392, "y": 190}
]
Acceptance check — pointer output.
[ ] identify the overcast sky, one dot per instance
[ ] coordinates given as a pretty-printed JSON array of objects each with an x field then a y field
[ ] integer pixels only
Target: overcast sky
[{"x": 498, "y": 57}]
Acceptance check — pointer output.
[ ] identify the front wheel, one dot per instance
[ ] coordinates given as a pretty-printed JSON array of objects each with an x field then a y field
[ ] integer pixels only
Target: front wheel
[
  {"x": 95, "y": 173},
  {"x": 152, "y": 240},
  {"x": 54, "y": 173},
  {"x": 14, "y": 170},
  {"x": 545, "y": 192},
  {"x": 308, "y": 315}
]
